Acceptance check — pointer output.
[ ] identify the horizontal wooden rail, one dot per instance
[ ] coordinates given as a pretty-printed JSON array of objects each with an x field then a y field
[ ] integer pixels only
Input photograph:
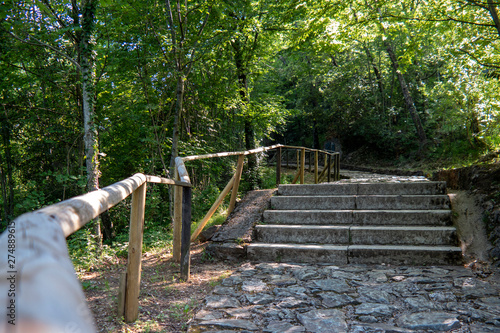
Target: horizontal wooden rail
[
  {"x": 233, "y": 184},
  {"x": 226, "y": 154},
  {"x": 168, "y": 181},
  {"x": 47, "y": 294}
]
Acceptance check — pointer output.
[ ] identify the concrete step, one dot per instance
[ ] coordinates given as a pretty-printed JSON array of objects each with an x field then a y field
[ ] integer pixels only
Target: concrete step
[
  {"x": 301, "y": 234},
  {"x": 359, "y": 217},
  {"x": 403, "y": 188},
  {"x": 345, "y": 235},
  {"x": 398, "y": 235},
  {"x": 297, "y": 253},
  {"x": 363, "y": 202},
  {"x": 355, "y": 254},
  {"x": 404, "y": 255}
]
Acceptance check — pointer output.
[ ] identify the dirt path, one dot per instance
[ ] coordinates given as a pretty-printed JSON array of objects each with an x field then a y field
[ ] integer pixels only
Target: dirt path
[{"x": 166, "y": 304}]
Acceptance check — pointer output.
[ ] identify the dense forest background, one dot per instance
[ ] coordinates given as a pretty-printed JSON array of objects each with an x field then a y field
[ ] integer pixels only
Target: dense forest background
[{"x": 93, "y": 91}]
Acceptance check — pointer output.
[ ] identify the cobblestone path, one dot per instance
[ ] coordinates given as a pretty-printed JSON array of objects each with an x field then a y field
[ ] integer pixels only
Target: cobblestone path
[{"x": 279, "y": 297}]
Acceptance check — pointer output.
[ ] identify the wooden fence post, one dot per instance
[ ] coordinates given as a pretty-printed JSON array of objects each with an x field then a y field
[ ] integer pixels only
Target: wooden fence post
[
  {"x": 286, "y": 158},
  {"x": 310, "y": 161},
  {"x": 302, "y": 165},
  {"x": 329, "y": 168},
  {"x": 316, "y": 167},
  {"x": 176, "y": 251},
  {"x": 297, "y": 155},
  {"x": 186, "y": 234},
  {"x": 337, "y": 166},
  {"x": 134, "y": 254},
  {"x": 278, "y": 167},
  {"x": 237, "y": 178}
]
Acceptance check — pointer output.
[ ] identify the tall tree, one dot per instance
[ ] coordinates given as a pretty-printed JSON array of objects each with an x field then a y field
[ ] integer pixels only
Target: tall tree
[
  {"x": 67, "y": 35},
  {"x": 186, "y": 28}
]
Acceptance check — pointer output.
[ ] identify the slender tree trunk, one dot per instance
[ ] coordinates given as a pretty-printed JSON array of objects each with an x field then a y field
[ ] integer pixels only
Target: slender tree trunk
[
  {"x": 249, "y": 137},
  {"x": 88, "y": 9},
  {"x": 9, "y": 184},
  {"x": 377, "y": 74},
  {"x": 3, "y": 187},
  {"x": 410, "y": 105},
  {"x": 177, "y": 120},
  {"x": 492, "y": 7},
  {"x": 315, "y": 135}
]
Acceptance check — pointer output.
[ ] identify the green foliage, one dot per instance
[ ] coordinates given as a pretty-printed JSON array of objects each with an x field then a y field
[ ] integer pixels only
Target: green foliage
[{"x": 289, "y": 72}]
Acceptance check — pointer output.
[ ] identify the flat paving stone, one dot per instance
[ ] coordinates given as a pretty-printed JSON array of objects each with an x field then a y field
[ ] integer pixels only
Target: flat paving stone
[
  {"x": 324, "y": 321},
  {"x": 434, "y": 321},
  {"x": 254, "y": 286},
  {"x": 231, "y": 324},
  {"x": 276, "y": 297},
  {"x": 221, "y": 302},
  {"x": 283, "y": 327}
]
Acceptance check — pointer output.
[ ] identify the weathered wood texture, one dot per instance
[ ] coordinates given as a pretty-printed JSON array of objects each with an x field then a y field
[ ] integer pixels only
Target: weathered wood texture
[
  {"x": 48, "y": 296},
  {"x": 168, "y": 181},
  {"x": 316, "y": 167},
  {"x": 302, "y": 165},
  {"x": 74, "y": 213},
  {"x": 237, "y": 178},
  {"x": 212, "y": 210},
  {"x": 135, "y": 254},
  {"x": 278, "y": 167},
  {"x": 235, "y": 153},
  {"x": 186, "y": 234},
  {"x": 176, "y": 243}
]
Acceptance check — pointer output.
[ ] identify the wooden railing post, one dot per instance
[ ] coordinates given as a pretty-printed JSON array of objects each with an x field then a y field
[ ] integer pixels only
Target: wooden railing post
[
  {"x": 310, "y": 161},
  {"x": 329, "y": 167},
  {"x": 286, "y": 158},
  {"x": 297, "y": 155},
  {"x": 186, "y": 234},
  {"x": 133, "y": 279},
  {"x": 278, "y": 167},
  {"x": 237, "y": 178},
  {"x": 337, "y": 166},
  {"x": 176, "y": 251},
  {"x": 302, "y": 165},
  {"x": 316, "y": 167}
]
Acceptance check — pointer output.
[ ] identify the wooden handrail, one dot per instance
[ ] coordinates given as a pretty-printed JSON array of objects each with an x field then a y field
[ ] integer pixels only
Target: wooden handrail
[
  {"x": 182, "y": 174},
  {"x": 50, "y": 294},
  {"x": 74, "y": 213}
]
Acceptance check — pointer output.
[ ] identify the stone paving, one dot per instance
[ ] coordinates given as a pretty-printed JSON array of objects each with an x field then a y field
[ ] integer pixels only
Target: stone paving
[
  {"x": 289, "y": 298},
  {"x": 280, "y": 298}
]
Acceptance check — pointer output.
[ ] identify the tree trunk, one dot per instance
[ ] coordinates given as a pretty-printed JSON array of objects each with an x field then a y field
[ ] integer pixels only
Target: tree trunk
[
  {"x": 7, "y": 180},
  {"x": 88, "y": 8},
  {"x": 252, "y": 165},
  {"x": 494, "y": 14},
  {"x": 315, "y": 135},
  {"x": 177, "y": 116},
  {"x": 377, "y": 75},
  {"x": 410, "y": 105}
]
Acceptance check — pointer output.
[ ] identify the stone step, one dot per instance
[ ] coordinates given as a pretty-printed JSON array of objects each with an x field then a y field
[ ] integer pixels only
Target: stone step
[
  {"x": 399, "y": 235},
  {"x": 359, "y": 217},
  {"x": 355, "y": 254},
  {"x": 345, "y": 235},
  {"x": 301, "y": 234},
  {"x": 362, "y": 202},
  {"x": 297, "y": 253},
  {"x": 404, "y": 255},
  {"x": 388, "y": 188}
]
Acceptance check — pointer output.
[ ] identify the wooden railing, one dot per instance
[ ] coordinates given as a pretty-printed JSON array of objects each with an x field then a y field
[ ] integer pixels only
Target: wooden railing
[
  {"x": 37, "y": 279},
  {"x": 38, "y": 283},
  {"x": 181, "y": 248}
]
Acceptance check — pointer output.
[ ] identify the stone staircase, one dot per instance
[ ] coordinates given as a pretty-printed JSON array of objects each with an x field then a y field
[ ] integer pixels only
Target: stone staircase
[{"x": 402, "y": 223}]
